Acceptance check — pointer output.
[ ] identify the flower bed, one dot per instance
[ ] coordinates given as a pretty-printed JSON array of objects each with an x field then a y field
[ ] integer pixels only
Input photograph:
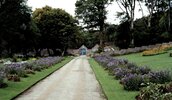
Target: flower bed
[
  {"x": 138, "y": 49},
  {"x": 130, "y": 75},
  {"x": 158, "y": 50},
  {"x": 14, "y": 71}
]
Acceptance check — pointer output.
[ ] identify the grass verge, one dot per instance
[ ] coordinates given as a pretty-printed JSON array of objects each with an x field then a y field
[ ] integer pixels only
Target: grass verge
[
  {"x": 156, "y": 62},
  {"x": 111, "y": 87},
  {"x": 16, "y": 88}
]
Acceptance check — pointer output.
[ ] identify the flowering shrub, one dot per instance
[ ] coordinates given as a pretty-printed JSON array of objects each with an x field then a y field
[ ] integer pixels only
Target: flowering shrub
[
  {"x": 107, "y": 61},
  {"x": 121, "y": 72},
  {"x": 134, "y": 81},
  {"x": 15, "y": 69},
  {"x": 160, "y": 77},
  {"x": 158, "y": 50},
  {"x": 143, "y": 70},
  {"x": 156, "y": 92}
]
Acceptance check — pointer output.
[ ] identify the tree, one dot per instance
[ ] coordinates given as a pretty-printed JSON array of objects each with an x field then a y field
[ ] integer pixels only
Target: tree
[
  {"x": 128, "y": 8},
  {"x": 151, "y": 6},
  {"x": 57, "y": 28},
  {"x": 14, "y": 23},
  {"x": 154, "y": 6},
  {"x": 169, "y": 15},
  {"x": 111, "y": 32},
  {"x": 92, "y": 14}
]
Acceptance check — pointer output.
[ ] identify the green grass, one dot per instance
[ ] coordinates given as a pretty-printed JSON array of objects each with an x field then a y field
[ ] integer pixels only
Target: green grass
[
  {"x": 15, "y": 88},
  {"x": 111, "y": 87},
  {"x": 156, "y": 62}
]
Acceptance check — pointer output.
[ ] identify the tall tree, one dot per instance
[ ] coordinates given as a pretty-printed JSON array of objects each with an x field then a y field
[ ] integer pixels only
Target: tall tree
[
  {"x": 14, "y": 23},
  {"x": 92, "y": 14},
  {"x": 169, "y": 15},
  {"x": 57, "y": 28},
  {"x": 128, "y": 9}
]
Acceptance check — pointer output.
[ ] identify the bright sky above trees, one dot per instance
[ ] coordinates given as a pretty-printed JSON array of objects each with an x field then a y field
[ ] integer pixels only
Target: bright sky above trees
[{"x": 69, "y": 6}]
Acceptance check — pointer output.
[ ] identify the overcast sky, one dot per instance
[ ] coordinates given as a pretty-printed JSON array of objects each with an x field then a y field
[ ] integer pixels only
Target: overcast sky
[{"x": 69, "y": 6}]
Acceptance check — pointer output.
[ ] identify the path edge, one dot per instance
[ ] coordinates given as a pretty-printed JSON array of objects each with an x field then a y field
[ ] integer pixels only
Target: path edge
[
  {"x": 103, "y": 91},
  {"x": 40, "y": 80}
]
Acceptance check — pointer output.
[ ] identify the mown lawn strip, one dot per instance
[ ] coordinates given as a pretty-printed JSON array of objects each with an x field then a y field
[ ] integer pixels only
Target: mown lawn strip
[
  {"x": 16, "y": 88},
  {"x": 156, "y": 62},
  {"x": 111, "y": 87}
]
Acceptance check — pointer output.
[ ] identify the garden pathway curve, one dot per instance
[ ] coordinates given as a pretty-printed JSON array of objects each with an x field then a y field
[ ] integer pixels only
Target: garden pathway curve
[{"x": 74, "y": 81}]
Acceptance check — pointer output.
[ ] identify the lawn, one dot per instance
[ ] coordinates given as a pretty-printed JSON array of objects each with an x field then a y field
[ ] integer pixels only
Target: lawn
[
  {"x": 111, "y": 87},
  {"x": 156, "y": 62},
  {"x": 15, "y": 88}
]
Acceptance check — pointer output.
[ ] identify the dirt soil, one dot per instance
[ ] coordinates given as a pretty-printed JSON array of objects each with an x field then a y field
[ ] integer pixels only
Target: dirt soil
[{"x": 74, "y": 81}]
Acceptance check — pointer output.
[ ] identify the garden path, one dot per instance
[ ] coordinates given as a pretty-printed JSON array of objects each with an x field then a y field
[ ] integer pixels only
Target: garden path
[{"x": 74, "y": 81}]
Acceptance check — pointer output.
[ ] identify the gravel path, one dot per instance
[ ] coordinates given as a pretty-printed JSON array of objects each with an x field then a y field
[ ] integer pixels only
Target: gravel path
[{"x": 74, "y": 81}]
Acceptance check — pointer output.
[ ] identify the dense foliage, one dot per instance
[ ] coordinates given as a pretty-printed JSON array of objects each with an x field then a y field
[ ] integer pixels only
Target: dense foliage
[
  {"x": 156, "y": 92},
  {"x": 23, "y": 32},
  {"x": 57, "y": 29},
  {"x": 92, "y": 14},
  {"x": 17, "y": 33}
]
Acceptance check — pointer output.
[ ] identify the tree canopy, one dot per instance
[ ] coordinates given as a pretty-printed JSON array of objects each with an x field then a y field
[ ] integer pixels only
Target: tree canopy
[
  {"x": 57, "y": 28},
  {"x": 92, "y": 14}
]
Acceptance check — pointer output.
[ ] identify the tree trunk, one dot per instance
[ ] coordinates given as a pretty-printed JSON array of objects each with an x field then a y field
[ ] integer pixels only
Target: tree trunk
[
  {"x": 38, "y": 52},
  {"x": 101, "y": 38},
  {"x": 131, "y": 28},
  {"x": 63, "y": 52},
  {"x": 132, "y": 34},
  {"x": 169, "y": 18},
  {"x": 149, "y": 21},
  {"x": 49, "y": 52}
]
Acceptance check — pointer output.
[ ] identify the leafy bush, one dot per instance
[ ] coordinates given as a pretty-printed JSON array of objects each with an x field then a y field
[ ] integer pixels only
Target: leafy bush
[
  {"x": 156, "y": 92},
  {"x": 29, "y": 71},
  {"x": 131, "y": 65},
  {"x": 28, "y": 65},
  {"x": 37, "y": 67},
  {"x": 160, "y": 77},
  {"x": 158, "y": 50},
  {"x": 15, "y": 69},
  {"x": 134, "y": 81},
  {"x": 13, "y": 77},
  {"x": 121, "y": 72},
  {"x": 143, "y": 70}
]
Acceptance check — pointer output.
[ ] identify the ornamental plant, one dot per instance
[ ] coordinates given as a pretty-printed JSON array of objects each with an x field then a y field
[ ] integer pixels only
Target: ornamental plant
[
  {"x": 160, "y": 77},
  {"x": 156, "y": 92},
  {"x": 134, "y": 82},
  {"x": 15, "y": 69},
  {"x": 157, "y": 50},
  {"x": 120, "y": 73}
]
